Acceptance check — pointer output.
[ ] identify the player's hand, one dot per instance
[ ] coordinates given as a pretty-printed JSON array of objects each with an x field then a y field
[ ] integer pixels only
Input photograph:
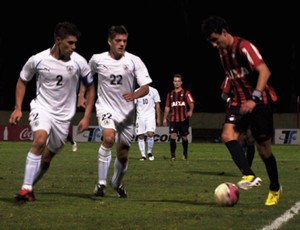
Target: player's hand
[
  {"x": 15, "y": 117},
  {"x": 81, "y": 103},
  {"x": 128, "y": 96},
  {"x": 82, "y": 125},
  {"x": 165, "y": 122},
  {"x": 224, "y": 96},
  {"x": 247, "y": 107}
]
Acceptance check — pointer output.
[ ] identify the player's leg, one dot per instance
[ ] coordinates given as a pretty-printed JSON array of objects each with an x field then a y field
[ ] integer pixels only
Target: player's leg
[
  {"x": 140, "y": 130},
  {"x": 104, "y": 159},
  {"x": 173, "y": 138},
  {"x": 141, "y": 144},
  {"x": 184, "y": 132},
  {"x": 120, "y": 169},
  {"x": 40, "y": 126},
  {"x": 150, "y": 127},
  {"x": 55, "y": 142},
  {"x": 121, "y": 162},
  {"x": 250, "y": 147},
  {"x": 262, "y": 130}
]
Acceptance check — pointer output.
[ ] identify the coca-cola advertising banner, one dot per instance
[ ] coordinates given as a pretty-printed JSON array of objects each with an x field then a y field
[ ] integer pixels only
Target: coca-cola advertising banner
[
  {"x": 15, "y": 133},
  {"x": 92, "y": 134}
]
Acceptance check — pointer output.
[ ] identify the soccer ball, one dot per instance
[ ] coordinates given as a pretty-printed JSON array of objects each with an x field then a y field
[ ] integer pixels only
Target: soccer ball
[{"x": 226, "y": 194}]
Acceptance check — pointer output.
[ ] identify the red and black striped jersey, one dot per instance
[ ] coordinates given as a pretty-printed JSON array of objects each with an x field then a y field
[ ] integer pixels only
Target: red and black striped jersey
[
  {"x": 239, "y": 62},
  {"x": 178, "y": 103}
]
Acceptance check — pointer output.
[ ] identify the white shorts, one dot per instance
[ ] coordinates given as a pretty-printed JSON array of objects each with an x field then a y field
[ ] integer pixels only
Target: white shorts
[
  {"x": 123, "y": 126},
  {"x": 39, "y": 119},
  {"x": 144, "y": 125}
]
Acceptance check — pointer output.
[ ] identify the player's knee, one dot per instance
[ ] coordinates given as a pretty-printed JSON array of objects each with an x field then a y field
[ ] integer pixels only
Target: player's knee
[
  {"x": 260, "y": 139},
  {"x": 150, "y": 134},
  {"x": 39, "y": 145},
  {"x": 109, "y": 141}
]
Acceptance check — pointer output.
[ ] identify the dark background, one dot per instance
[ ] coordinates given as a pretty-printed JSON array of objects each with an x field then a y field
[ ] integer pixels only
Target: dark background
[{"x": 165, "y": 34}]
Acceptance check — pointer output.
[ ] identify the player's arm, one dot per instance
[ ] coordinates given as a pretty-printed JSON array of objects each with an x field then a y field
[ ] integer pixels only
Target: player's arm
[
  {"x": 88, "y": 85},
  {"x": 20, "y": 93},
  {"x": 190, "y": 101},
  {"x": 263, "y": 77},
  {"x": 157, "y": 109},
  {"x": 191, "y": 109},
  {"x": 142, "y": 91},
  {"x": 81, "y": 100},
  {"x": 166, "y": 115}
]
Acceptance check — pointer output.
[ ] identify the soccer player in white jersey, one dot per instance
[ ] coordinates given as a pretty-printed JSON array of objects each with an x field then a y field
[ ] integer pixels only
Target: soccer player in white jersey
[
  {"x": 58, "y": 69},
  {"x": 147, "y": 116},
  {"x": 118, "y": 71}
]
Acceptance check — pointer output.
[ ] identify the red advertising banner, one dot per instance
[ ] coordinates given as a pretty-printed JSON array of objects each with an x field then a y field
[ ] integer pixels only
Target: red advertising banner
[{"x": 15, "y": 133}]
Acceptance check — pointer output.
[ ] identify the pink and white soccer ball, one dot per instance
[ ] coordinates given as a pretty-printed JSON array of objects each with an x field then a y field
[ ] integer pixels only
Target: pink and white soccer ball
[{"x": 226, "y": 194}]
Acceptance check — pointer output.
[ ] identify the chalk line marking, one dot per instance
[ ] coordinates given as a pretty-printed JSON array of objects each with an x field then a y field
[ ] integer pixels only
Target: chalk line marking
[{"x": 289, "y": 214}]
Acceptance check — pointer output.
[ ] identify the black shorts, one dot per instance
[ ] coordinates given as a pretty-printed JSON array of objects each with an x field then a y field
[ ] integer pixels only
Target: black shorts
[
  {"x": 260, "y": 120},
  {"x": 181, "y": 128}
]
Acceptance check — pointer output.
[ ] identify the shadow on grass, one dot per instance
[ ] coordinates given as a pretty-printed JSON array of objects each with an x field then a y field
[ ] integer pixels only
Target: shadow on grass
[{"x": 220, "y": 173}]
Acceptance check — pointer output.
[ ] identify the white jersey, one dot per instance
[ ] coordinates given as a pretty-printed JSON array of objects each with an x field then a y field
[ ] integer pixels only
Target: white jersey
[
  {"x": 145, "y": 106},
  {"x": 116, "y": 77},
  {"x": 146, "y": 112},
  {"x": 57, "y": 82}
]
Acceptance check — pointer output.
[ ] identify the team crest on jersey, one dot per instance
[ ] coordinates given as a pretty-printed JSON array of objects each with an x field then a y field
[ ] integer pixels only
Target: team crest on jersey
[
  {"x": 126, "y": 67},
  {"x": 105, "y": 122},
  {"x": 43, "y": 69},
  {"x": 70, "y": 68},
  {"x": 36, "y": 123}
]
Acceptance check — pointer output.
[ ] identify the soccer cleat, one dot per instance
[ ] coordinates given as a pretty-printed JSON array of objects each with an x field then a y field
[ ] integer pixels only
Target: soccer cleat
[
  {"x": 172, "y": 158},
  {"x": 121, "y": 192},
  {"x": 249, "y": 182},
  {"x": 273, "y": 197},
  {"x": 74, "y": 147},
  {"x": 25, "y": 195},
  {"x": 100, "y": 190},
  {"x": 142, "y": 158},
  {"x": 184, "y": 157},
  {"x": 150, "y": 157}
]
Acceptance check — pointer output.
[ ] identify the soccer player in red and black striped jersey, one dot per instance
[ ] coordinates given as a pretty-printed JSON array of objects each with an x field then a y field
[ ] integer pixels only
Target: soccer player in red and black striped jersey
[
  {"x": 252, "y": 102},
  {"x": 179, "y": 108}
]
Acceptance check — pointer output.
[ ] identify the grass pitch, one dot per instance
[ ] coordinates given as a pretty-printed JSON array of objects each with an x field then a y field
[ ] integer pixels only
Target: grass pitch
[{"x": 162, "y": 194}]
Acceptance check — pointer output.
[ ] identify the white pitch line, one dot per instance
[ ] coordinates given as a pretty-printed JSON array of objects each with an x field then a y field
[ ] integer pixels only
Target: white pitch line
[{"x": 289, "y": 214}]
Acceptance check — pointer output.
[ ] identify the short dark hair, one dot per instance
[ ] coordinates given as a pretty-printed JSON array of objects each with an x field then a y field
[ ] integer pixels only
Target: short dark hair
[
  {"x": 114, "y": 30},
  {"x": 178, "y": 76},
  {"x": 213, "y": 24},
  {"x": 64, "y": 29}
]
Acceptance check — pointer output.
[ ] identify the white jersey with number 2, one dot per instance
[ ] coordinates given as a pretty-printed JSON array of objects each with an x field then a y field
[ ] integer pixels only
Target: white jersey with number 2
[{"x": 58, "y": 82}]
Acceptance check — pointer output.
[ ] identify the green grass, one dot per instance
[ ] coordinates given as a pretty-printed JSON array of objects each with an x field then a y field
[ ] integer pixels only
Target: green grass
[{"x": 162, "y": 194}]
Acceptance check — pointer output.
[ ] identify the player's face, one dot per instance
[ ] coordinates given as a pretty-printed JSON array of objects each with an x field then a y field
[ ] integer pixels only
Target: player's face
[
  {"x": 118, "y": 45},
  {"x": 177, "y": 82},
  {"x": 218, "y": 40},
  {"x": 66, "y": 46}
]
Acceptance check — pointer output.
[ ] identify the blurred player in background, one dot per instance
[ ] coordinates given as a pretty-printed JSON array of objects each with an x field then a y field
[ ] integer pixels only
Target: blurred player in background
[
  {"x": 179, "y": 108},
  {"x": 147, "y": 116}
]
